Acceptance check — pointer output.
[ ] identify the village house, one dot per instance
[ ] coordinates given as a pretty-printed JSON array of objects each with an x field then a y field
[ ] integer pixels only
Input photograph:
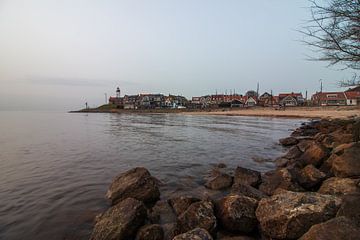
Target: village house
[
  {"x": 206, "y": 101},
  {"x": 267, "y": 99},
  {"x": 118, "y": 101},
  {"x": 237, "y": 103},
  {"x": 151, "y": 101},
  {"x": 291, "y": 99},
  {"x": 329, "y": 99},
  {"x": 178, "y": 101},
  {"x": 198, "y": 102},
  {"x": 223, "y": 100},
  {"x": 173, "y": 101},
  {"x": 353, "y": 96},
  {"x": 131, "y": 101},
  {"x": 250, "y": 101},
  {"x": 195, "y": 102}
]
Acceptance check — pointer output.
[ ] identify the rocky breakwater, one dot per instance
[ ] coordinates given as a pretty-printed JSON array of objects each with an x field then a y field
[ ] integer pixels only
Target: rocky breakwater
[{"x": 313, "y": 193}]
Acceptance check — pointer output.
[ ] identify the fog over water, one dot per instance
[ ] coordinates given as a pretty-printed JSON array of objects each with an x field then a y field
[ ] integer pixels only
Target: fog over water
[{"x": 55, "y": 168}]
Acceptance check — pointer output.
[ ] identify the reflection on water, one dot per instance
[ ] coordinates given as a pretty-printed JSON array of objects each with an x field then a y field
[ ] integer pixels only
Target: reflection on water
[{"x": 55, "y": 167}]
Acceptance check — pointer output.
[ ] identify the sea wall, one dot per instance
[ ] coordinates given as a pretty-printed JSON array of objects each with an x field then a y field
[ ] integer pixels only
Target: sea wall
[{"x": 314, "y": 193}]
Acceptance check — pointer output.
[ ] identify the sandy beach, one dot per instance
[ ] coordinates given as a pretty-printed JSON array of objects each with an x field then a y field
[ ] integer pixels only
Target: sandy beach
[
  {"x": 298, "y": 112},
  {"x": 289, "y": 112}
]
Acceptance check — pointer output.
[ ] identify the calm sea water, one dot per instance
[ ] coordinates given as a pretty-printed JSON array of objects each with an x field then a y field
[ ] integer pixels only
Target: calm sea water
[{"x": 55, "y": 167}]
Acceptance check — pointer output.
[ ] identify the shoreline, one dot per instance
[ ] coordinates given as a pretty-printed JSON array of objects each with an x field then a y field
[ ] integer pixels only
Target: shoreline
[{"x": 328, "y": 112}]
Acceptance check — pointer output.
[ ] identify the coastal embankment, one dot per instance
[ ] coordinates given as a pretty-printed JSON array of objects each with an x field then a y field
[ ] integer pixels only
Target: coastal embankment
[
  {"x": 329, "y": 112},
  {"x": 312, "y": 194}
]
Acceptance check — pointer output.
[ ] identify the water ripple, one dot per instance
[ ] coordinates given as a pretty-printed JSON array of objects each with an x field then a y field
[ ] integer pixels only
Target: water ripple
[{"x": 53, "y": 179}]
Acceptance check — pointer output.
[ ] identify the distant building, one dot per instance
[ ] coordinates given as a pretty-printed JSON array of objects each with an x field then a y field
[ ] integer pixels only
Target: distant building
[
  {"x": 173, "y": 101},
  {"x": 151, "y": 101},
  {"x": 206, "y": 101},
  {"x": 329, "y": 99},
  {"x": 227, "y": 101},
  {"x": 251, "y": 93},
  {"x": 250, "y": 101},
  {"x": 291, "y": 99},
  {"x": 353, "y": 96},
  {"x": 131, "y": 101},
  {"x": 267, "y": 99},
  {"x": 117, "y": 100},
  {"x": 237, "y": 103}
]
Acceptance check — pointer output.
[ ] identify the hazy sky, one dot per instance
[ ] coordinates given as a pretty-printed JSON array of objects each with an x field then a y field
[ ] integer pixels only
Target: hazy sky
[{"x": 60, "y": 53}]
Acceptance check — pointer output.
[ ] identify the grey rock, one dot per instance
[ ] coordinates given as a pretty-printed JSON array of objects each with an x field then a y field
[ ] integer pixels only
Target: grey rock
[
  {"x": 150, "y": 232},
  {"x": 288, "y": 215},
  {"x": 236, "y": 213},
  {"x": 198, "y": 215},
  {"x": 339, "y": 228},
  {"x": 195, "y": 234},
  {"x": 136, "y": 183},
  {"x": 120, "y": 222},
  {"x": 247, "y": 176}
]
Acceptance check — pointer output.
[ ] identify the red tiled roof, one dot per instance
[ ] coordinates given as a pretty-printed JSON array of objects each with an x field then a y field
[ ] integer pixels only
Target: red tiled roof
[
  {"x": 282, "y": 95},
  {"x": 325, "y": 96},
  {"x": 352, "y": 95}
]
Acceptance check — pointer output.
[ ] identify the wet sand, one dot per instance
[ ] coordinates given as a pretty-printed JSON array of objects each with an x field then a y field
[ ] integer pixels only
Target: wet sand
[{"x": 290, "y": 112}]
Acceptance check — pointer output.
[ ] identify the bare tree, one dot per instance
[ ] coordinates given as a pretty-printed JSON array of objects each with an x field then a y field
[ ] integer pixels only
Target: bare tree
[
  {"x": 354, "y": 81},
  {"x": 334, "y": 31}
]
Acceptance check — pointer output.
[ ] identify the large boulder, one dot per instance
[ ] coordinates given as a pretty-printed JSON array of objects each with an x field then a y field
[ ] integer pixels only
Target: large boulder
[
  {"x": 319, "y": 137},
  {"x": 310, "y": 177},
  {"x": 288, "y": 215},
  {"x": 339, "y": 228},
  {"x": 340, "y": 137},
  {"x": 327, "y": 165},
  {"x": 289, "y": 141},
  {"x": 293, "y": 153},
  {"x": 340, "y": 186},
  {"x": 348, "y": 163},
  {"x": 198, "y": 215},
  {"x": 280, "y": 178},
  {"x": 314, "y": 155},
  {"x": 281, "y": 162},
  {"x": 161, "y": 213},
  {"x": 236, "y": 213},
  {"x": 181, "y": 203},
  {"x": 328, "y": 141},
  {"x": 195, "y": 234},
  {"x": 247, "y": 190},
  {"x": 350, "y": 208},
  {"x": 340, "y": 149},
  {"x": 306, "y": 130},
  {"x": 120, "y": 221},
  {"x": 247, "y": 176},
  {"x": 219, "y": 180},
  {"x": 170, "y": 230},
  {"x": 235, "y": 237},
  {"x": 136, "y": 183},
  {"x": 304, "y": 144},
  {"x": 150, "y": 232}
]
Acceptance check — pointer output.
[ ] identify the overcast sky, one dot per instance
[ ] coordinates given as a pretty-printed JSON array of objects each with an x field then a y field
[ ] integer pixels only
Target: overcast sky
[{"x": 58, "y": 54}]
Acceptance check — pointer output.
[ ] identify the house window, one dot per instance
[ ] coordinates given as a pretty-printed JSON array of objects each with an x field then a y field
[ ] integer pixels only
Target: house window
[{"x": 331, "y": 95}]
